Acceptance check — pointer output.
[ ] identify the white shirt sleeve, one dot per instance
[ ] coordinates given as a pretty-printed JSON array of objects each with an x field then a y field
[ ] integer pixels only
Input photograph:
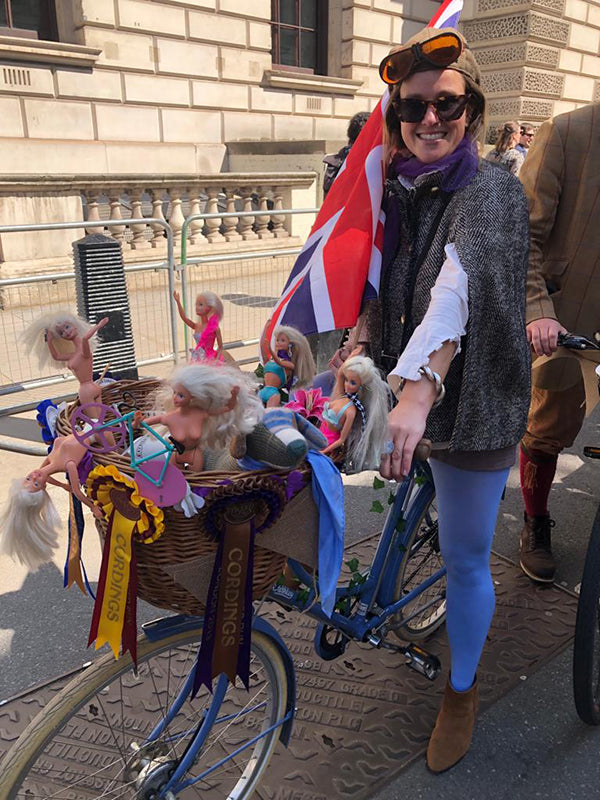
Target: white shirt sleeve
[{"x": 445, "y": 321}]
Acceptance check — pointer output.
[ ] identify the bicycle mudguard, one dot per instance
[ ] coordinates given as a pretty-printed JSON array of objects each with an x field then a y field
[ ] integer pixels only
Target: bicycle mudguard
[{"x": 167, "y": 626}]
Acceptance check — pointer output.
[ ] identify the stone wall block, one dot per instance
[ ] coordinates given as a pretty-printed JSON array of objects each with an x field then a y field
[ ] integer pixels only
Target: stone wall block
[
  {"x": 584, "y": 37},
  {"x": 259, "y": 9},
  {"x": 314, "y": 105},
  {"x": 570, "y": 61},
  {"x": 290, "y": 127},
  {"x": 549, "y": 29},
  {"x": 122, "y": 50},
  {"x": 243, "y": 65},
  {"x": 335, "y": 129},
  {"x": 93, "y": 12},
  {"x": 579, "y": 88},
  {"x": 270, "y": 100},
  {"x": 159, "y": 91},
  {"x": 499, "y": 28},
  {"x": 52, "y": 119},
  {"x": 502, "y": 81},
  {"x": 543, "y": 82},
  {"x": 576, "y": 10},
  {"x": 101, "y": 84},
  {"x": 24, "y": 80},
  {"x": 217, "y": 28},
  {"x": 151, "y": 17},
  {"x": 187, "y": 58},
  {"x": 593, "y": 17},
  {"x": 10, "y": 114},
  {"x": 591, "y": 66},
  {"x": 213, "y": 95},
  {"x": 372, "y": 83},
  {"x": 182, "y": 125},
  {"x": 403, "y": 29},
  {"x": 246, "y": 127},
  {"x": 259, "y": 35},
  {"x": 122, "y": 123},
  {"x": 371, "y": 25}
]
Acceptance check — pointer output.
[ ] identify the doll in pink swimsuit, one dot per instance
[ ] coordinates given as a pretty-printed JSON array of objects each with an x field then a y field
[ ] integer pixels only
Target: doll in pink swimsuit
[{"x": 209, "y": 311}]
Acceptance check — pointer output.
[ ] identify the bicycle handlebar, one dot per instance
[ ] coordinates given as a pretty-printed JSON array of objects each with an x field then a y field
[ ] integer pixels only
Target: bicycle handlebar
[{"x": 574, "y": 342}]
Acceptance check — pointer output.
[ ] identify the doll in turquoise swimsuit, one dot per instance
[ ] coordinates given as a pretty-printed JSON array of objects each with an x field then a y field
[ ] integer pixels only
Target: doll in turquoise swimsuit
[
  {"x": 291, "y": 362},
  {"x": 356, "y": 413}
]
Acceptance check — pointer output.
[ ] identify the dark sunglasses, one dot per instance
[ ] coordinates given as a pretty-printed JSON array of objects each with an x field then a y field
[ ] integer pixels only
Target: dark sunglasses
[
  {"x": 529, "y": 135},
  {"x": 447, "y": 108},
  {"x": 440, "y": 52}
]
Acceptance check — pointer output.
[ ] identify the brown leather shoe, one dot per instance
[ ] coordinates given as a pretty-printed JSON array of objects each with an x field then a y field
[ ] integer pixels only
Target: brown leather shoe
[
  {"x": 537, "y": 561},
  {"x": 451, "y": 737}
]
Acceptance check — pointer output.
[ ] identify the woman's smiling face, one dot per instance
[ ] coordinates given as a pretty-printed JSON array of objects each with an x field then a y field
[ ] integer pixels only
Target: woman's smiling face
[{"x": 432, "y": 139}]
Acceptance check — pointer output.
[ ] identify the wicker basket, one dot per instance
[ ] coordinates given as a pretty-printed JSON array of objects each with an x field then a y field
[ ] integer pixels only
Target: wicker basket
[{"x": 174, "y": 571}]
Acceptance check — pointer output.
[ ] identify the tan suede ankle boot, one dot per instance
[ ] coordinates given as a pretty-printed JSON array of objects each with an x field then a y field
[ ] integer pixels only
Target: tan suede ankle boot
[{"x": 451, "y": 737}]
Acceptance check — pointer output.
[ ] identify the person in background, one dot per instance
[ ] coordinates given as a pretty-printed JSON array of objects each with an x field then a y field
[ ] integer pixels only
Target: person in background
[
  {"x": 526, "y": 138},
  {"x": 560, "y": 177},
  {"x": 504, "y": 152},
  {"x": 334, "y": 161}
]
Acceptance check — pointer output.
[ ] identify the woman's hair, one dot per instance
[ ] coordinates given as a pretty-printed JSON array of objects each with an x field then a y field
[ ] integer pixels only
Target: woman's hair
[
  {"x": 29, "y": 526},
  {"x": 302, "y": 357},
  {"x": 504, "y": 141},
  {"x": 212, "y": 301},
  {"x": 392, "y": 132},
  {"x": 34, "y": 337},
  {"x": 210, "y": 387},
  {"x": 366, "y": 444}
]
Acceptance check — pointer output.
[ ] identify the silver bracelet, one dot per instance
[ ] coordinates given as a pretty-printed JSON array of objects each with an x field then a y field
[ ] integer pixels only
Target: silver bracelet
[{"x": 432, "y": 376}]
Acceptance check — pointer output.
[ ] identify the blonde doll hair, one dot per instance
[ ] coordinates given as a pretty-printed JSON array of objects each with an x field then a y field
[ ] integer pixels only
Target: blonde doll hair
[
  {"x": 365, "y": 445},
  {"x": 212, "y": 301},
  {"x": 302, "y": 357},
  {"x": 210, "y": 387},
  {"x": 33, "y": 337},
  {"x": 29, "y": 526}
]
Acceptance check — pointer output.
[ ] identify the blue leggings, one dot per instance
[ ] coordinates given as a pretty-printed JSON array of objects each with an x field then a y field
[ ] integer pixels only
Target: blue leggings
[{"x": 467, "y": 503}]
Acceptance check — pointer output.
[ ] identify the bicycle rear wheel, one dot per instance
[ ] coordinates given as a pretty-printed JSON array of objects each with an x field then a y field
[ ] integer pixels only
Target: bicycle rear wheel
[
  {"x": 422, "y": 559},
  {"x": 83, "y": 744},
  {"x": 586, "y": 650}
]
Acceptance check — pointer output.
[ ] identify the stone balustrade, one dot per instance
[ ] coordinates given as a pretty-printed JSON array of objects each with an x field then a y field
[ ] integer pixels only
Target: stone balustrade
[{"x": 116, "y": 199}]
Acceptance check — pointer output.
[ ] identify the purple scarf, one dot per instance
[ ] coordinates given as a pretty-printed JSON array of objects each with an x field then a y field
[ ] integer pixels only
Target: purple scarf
[{"x": 458, "y": 168}]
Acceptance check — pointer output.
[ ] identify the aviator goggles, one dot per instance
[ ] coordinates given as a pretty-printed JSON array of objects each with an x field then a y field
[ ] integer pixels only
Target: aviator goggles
[
  {"x": 439, "y": 52},
  {"x": 447, "y": 108}
]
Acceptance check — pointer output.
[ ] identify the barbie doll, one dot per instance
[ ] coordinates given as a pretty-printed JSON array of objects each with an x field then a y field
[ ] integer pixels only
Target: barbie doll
[
  {"x": 29, "y": 523},
  {"x": 62, "y": 337},
  {"x": 291, "y": 363},
  {"x": 209, "y": 310},
  {"x": 205, "y": 405},
  {"x": 357, "y": 412}
]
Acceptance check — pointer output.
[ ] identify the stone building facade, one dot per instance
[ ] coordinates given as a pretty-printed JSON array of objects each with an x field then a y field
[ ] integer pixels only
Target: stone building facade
[{"x": 154, "y": 96}]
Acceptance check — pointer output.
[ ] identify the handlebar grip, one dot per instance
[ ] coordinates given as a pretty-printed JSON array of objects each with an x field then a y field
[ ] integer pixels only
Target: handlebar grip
[{"x": 423, "y": 450}]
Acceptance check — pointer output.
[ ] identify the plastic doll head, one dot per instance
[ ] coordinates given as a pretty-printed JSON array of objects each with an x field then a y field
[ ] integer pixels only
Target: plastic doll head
[
  {"x": 304, "y": 370},
  {"x": 207, "y": 302},
  {"x": 181, "y": 395},
  {"x": 34, "y": 482},
  {"x": 29, "y": 526},
  {"x": 282, "y": 340},
  {"x": 352, "y": 382},
  {"x": 63, "y": 327}
]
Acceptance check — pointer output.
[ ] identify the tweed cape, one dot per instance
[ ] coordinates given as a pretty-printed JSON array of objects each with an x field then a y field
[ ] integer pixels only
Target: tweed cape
[{"x": 488, "y": 383}]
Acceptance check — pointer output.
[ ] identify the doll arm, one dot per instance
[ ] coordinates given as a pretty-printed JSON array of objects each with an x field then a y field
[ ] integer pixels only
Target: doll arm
[
  {"x": 349, "y": 416},
  {"x": 219, "y": 342},
  {"x": 288, "y": 366},
  {"x": 85, "y": 339},
  {"x": 76, "y": 489},
  {"x": 230, "y": 403},
  {"x": 180, "y": 309},
  {"x": 62, "y": 484}
]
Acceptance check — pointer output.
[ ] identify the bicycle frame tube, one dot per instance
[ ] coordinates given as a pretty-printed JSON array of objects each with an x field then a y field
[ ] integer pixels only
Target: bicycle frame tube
[{"x": 410, "y": 501}]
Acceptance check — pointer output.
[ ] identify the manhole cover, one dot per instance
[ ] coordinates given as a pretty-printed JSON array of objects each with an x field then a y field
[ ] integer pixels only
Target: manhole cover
[{"x": 364, "y": 717}]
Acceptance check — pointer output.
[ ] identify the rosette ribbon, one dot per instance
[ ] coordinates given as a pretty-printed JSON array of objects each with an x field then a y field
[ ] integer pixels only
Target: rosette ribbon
[
  {"x": 128, "y": 516},
  {"x": 225, "y": 645}
]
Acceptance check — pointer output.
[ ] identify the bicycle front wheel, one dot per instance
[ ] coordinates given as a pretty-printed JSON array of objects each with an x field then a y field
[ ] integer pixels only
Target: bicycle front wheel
[
  {"x": 422, "y": 559},
  {"x": 90, "y": 741},
  {"x": 586, "y": 650}
]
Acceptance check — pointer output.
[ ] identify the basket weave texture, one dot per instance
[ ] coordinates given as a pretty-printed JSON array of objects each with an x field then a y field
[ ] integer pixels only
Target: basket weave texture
[{"x": 195, "y": 539}]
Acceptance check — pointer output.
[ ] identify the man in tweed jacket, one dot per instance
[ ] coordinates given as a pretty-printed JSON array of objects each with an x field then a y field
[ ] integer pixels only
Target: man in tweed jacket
[{"x": 561, "y": 177}]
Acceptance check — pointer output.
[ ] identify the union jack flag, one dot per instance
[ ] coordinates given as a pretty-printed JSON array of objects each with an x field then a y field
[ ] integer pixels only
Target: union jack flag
[{"x": 340, "y": 262}]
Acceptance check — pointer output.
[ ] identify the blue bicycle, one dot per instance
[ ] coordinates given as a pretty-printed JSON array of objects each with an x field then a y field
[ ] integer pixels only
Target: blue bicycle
[{"x": 116, "y": 732}]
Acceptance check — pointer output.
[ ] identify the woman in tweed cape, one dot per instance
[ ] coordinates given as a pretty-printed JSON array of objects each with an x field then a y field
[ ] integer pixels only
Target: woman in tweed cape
[{"x": 451, "y": 313}]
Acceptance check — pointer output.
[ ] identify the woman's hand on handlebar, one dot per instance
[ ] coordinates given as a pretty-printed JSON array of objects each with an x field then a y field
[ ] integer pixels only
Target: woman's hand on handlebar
[{"x": 406, "y": 426}]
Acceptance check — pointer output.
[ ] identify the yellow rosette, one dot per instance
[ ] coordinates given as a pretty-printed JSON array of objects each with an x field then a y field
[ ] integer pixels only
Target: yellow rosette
[{"x": 128, "y": 515}]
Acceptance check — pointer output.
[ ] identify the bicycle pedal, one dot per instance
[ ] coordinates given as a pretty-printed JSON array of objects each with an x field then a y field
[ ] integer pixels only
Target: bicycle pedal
[{"x": 421, "y": 661}]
